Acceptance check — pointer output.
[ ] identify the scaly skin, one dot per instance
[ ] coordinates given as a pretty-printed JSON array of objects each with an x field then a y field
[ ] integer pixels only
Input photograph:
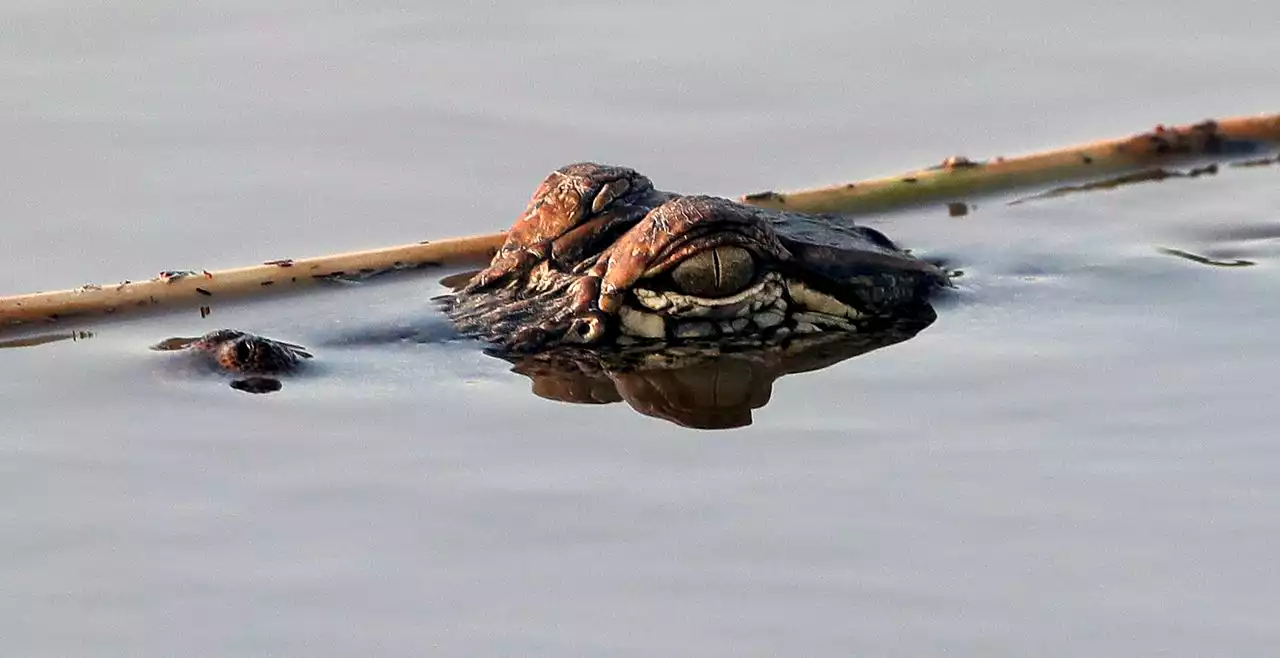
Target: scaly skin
[{"x": 597, "y": 242}]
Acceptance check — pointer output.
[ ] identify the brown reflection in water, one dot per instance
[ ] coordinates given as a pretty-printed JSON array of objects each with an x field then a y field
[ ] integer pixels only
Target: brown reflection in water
[
  {"x": 1205, "y": 260},
  {"x": 1145, "y": 176},
  {"x": 1258, "y": 162},
  {"x": 43, "y": 339},
  {"x": 705, "y": 386},
  {"x": 458, "y": 281},
  {"x": 961, "y": 208}
]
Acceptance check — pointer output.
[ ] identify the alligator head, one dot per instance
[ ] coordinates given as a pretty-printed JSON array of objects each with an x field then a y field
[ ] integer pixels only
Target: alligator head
[{"x": 601, "y": 259}]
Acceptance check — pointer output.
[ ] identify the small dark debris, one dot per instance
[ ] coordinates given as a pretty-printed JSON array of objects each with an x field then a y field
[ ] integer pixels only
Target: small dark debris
[
  {"x": 1202, "y": 138},
  {"x": 769, "y": 195},
  {"x": 267, "y": 283},
  {"x": 205, "y": 311},
  {"x": 204, "y": 292},
  {"x": 1086, "y": 159},
  {"x": 850, "y": 186},
  {"x": 957, "y": 209},
  {"x": 911, "y": 180},
  {"x": 173, "y": 275},
  {"x": 958, "y": 162},
  {"x": 283, "y": 262}
]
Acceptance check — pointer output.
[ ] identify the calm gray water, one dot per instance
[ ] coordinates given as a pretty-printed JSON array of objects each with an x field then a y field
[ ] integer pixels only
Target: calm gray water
[{"x": 1078, "y": 459}]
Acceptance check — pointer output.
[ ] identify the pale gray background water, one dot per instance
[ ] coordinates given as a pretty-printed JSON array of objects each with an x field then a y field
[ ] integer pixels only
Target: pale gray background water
[{"x": 1078, "y": 459}]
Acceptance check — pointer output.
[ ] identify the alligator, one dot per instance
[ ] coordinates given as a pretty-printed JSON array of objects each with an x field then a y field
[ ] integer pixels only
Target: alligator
[
  {"x": 601, "y": 258},
  {"x": 604, "y": 273}
]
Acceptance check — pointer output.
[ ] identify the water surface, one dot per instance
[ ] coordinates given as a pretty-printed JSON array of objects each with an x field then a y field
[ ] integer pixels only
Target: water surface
[{"x": 1076, "y": 459}]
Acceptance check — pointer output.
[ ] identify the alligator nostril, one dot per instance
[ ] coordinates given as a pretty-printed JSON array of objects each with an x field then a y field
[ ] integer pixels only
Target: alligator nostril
[
  {"x": 588, "y": 329},
  {"x": 244, "y": 353}
]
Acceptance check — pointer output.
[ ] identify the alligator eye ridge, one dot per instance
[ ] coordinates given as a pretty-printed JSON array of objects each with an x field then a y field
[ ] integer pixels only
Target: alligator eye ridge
[{"x": 716, "y": 272}]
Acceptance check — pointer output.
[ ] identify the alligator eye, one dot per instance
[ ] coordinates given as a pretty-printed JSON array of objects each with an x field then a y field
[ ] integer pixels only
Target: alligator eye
[{"x": 717, "y": 272}]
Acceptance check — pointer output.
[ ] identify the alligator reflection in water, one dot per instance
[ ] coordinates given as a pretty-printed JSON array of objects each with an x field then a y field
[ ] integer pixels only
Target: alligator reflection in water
[{"x": 702, "y": 386}]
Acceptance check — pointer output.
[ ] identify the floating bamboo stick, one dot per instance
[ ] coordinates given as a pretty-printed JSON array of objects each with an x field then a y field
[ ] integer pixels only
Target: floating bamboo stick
[
  {"x": 191, "y": 289},
  {"x": 958, "y": 178},
  {"x": 952, "y": 181}
]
